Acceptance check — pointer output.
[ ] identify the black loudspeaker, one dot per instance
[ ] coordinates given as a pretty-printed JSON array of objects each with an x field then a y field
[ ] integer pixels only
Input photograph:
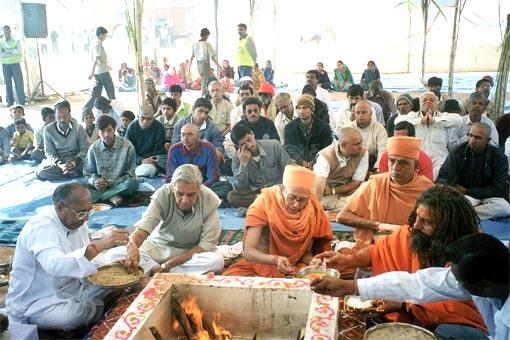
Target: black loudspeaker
[{"x": 34, "y": 20}]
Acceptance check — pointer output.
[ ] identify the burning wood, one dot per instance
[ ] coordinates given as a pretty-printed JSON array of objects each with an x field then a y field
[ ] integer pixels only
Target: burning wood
[{"x": 188, "y": 316}]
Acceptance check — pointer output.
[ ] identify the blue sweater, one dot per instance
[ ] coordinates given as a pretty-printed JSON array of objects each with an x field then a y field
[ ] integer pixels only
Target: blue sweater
[
  {"x": 204, "y": 157},
  {"x": 147, "y": 142}
]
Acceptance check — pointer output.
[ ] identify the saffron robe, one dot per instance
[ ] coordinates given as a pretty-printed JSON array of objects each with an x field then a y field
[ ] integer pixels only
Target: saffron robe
[{"x": 290, "y": 235}]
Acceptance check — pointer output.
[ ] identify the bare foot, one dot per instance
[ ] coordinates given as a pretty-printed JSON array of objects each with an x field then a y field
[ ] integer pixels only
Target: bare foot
[{"x": 116, "y": 200}]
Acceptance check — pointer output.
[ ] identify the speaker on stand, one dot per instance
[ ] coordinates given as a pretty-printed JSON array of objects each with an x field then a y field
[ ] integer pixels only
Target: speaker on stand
[{"x": 35, "y": 25}]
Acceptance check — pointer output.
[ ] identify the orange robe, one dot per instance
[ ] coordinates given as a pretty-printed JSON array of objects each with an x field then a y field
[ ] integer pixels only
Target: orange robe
[
  {"x": 393, "y": 253},
  {"x": 380, "y": 199},
  {"x": 290, "y": 235}
]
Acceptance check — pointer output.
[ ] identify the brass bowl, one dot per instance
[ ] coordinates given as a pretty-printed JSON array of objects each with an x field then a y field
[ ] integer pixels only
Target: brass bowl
[
  {"x": 398, "y": 331},
  {"x": 312, "y": 272}
]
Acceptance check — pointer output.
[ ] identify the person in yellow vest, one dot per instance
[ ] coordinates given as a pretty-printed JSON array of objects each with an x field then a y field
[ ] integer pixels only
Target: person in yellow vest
[
  {"x": 246, "y": 52},
  {"x": 10, "y": 57}
]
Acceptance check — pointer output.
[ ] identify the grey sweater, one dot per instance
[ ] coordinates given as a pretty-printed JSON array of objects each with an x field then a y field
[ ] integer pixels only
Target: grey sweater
[{"x": 65, "y": 148}]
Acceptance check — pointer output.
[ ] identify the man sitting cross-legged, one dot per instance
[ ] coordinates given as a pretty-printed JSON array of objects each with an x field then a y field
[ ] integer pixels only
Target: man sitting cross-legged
[
  {"x": 479, "y": 171},
  {"x": 385, "y": 201},
  {"x": 285, "y": 227},
  {"x": 306, "y": 135},
  {"x": 192, "y": 150},
  {"x": 440, "y": 217},
  {"x": 257, "y": 164},
  {"x": 179, "y": 230},
  {"x": 65, "y": 146},
  {"x": 48, "y": 285},
  {"x": 340, "y": 169},
  {"x": 110, "y": 165},
  {"x": 148, "y": 137},
  {"x": 207, "y": 129}
]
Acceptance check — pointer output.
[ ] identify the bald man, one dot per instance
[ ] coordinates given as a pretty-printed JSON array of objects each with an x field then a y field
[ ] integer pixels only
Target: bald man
[
  {"x": 340, "y": 169},
  {"x": 148, "y": 137},
  {"x": 373, "y": 133},
  {"x": 193, "y": 150},
  {"x": 479, "y": 171},
  {"x": 433, "y": 128}
]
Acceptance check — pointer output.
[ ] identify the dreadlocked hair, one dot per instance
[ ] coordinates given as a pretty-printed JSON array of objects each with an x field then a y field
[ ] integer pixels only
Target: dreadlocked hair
[{"x": 453, "y": 217}]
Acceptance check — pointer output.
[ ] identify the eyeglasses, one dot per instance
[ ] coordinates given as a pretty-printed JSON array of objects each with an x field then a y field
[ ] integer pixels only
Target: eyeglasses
[
  {"x": 82, "y": 214},
  {"x": 252, "y": 111},
  {"x": 291, "y": 199}
]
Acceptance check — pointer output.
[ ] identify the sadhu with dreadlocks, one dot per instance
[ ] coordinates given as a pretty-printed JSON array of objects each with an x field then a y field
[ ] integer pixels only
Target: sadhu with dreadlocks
[{"x": 441, "y": 216}]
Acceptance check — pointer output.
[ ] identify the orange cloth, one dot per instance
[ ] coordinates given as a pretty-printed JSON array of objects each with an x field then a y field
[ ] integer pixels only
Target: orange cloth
[
  {"x": 393, "y": 253},
  {"x": 296, "y": 176},
  {"x": 380, "y": 199},
  {"x": 404, "y": 146},
  {"x": 290, "y": 235}
]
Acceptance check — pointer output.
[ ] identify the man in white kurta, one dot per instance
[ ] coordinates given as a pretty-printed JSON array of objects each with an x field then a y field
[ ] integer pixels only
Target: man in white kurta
[
  {"x": 433, "y": 128},
  {"x": 48, "y": 285}
]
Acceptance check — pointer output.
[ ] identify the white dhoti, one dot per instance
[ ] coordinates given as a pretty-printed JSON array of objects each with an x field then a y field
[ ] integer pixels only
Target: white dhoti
[
  {"x": 152, "y": 255},
  {"x": 490, "y": 207},
  {"x": 66, "y": 310}
]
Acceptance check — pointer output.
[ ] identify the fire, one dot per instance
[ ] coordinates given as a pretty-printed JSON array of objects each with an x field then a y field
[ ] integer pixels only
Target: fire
[
  {"x": 219, "y": 331},
  {"x": 200, "y": 327}
]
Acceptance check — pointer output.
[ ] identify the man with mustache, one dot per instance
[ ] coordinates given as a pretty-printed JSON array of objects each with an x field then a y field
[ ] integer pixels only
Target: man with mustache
[
  {"x": 484, "y": 87},
  {"x": 384, "y": 202},
  {"x": 477, "y": 105},
  {"x": 440, "y": 217},
  {"x": 479, "y": 171}
]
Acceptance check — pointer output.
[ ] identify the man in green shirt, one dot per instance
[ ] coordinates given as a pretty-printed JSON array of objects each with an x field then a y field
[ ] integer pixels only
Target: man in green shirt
[{"x": 10, "y": 57}]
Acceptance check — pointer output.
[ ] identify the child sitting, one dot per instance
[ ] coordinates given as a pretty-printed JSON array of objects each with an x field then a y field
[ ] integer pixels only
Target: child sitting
[
  {"x": 17, "y": 112},
  {"x": 168, "y": 119},
  {"x": 48, "y": 116},
  {"x": 90, "y": 128},
  {"x": 125, "y": 118},
  {"x": 22, "y": 141}
]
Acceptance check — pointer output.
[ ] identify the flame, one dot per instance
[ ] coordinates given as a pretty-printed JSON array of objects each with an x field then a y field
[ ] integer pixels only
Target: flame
[
  {"x": 194, "y": 314},
  {"x": 219, "y": 331}
]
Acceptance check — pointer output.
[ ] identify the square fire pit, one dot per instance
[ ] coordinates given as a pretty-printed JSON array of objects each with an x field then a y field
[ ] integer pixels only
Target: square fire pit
[{"x": 263, "y": 307}]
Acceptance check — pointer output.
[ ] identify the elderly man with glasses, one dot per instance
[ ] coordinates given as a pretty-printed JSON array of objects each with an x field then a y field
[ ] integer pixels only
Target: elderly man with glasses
[
  {"x": 53, "y": 258},
  {"x": 180, "y": 229},
  {"x": 285, "y": 227}
]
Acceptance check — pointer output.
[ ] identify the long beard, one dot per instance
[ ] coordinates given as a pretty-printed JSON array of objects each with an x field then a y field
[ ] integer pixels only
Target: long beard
[{"x": 421, "y": 245}]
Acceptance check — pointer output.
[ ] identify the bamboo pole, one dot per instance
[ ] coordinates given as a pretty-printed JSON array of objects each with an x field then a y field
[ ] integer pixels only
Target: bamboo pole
[
  {"x": 459, "y": 6},
  {"x": 502, "y": 75}
]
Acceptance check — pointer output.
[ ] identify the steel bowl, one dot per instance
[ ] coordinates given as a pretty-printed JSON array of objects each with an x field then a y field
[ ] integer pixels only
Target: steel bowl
[
  {"x": 307, "y": 272},
  {"x": 400, "y": 332},
  {"x": 100, "y": 207}
]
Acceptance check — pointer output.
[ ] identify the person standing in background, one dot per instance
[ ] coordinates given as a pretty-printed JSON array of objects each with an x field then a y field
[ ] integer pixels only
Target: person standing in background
[
  {"x": 203, "y": 52},
  {"x": 246, "y": 52},
  {"x": 100, "y": 71},
  {"x": 10, "y": 57}
]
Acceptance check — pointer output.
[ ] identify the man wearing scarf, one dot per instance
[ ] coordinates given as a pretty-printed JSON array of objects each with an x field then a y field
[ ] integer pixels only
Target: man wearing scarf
[
  {"x": 285, "y": 227},
  {"x": 384, "y": 202}
]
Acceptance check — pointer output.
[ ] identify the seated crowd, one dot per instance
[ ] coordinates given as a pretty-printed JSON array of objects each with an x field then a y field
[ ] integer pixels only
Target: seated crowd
[{"x": 419, "y": 175}]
